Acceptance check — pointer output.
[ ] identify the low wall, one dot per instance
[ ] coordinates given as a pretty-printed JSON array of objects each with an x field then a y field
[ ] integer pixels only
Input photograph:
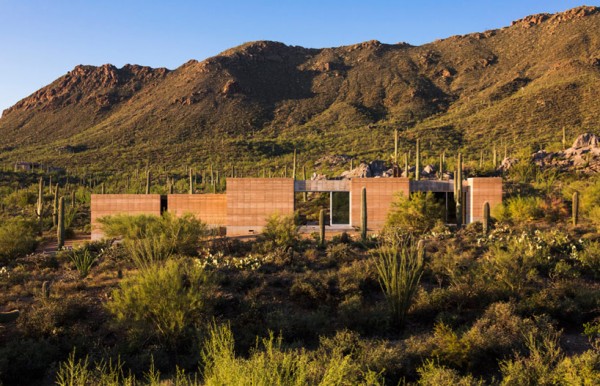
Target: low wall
[
  {"x": 208, "y": 208},
  {"x": 111, "y": 204},
  {"x": 380, "y": 194},
  {"x": 250, "y": 201}
]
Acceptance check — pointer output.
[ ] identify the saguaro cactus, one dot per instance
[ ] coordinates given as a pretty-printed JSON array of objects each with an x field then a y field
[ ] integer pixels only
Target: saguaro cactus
[
  {"x": 322, "y": 228},
  {"x": 575, "y": 209},
  {"x": 60, "y": 229},
  {"x": 55, "y": 208},
  {"x": 418, "y": 161},
  {"x": 191, "y": 181},
  {"x": 40, "y": 201},
  {"x": 294, "y": 166},
  {"x": 147, "y": 181},
  {"x": 363, "y": 214},
  {"x": 458, "y": 191},
  {"x": 486, "y": 217},
  {"x": 564, "y": 138}
]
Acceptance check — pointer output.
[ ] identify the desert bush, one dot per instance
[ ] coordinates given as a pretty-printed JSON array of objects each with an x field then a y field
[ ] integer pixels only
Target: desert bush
[
  {"x": 589, "y": 256},
  {"x": 54, "y": 316},
  {"x": 163, "y": 301},
  {"x": 18, "y": 237},
  {"x": 432, "y": 374},
  {"x": 520, "y": 209},
  {"x": 280, "y": 232},
  {"x": 546, "y": 364},
  {"x": 496, "y": 334},
  {"x": 150, "y": 239},
  {"x": 270, "y": 364},
  {"x": 399, "y": 268},
  {"x": 339, "y": 253},
  {"x": 415, "y": 214}
]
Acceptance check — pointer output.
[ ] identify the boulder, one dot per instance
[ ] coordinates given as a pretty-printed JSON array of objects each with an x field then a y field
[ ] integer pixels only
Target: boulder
[{"x": 586, "y": 140}]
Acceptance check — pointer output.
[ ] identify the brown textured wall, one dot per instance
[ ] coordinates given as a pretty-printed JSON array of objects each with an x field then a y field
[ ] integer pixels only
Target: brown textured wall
[
  {"x": 380, "y": 194},
  {"x": 111, "y": 204},
  {"x": 251, "y": 200},
  {"x": 209, "y": 208},
  {"x": 480, "y": 191}
]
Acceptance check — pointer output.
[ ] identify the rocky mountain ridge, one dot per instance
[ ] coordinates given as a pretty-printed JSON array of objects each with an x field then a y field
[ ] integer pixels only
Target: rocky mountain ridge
[{"x": 517, "y": 84}]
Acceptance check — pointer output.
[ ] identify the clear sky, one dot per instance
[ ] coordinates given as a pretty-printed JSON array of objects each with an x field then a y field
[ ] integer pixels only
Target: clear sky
[{"x": 41, "y": 40}]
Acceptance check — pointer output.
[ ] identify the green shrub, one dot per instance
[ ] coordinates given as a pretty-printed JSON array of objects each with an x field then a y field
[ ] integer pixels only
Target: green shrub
[
  {"x": 520, "y": 209},
  {"x": 270, "y": 364},
  {"x": 150, "y": 239},
  {"x": 18, "y": 237},
  {"x": 432, "y": 374},
  {"x": 280, "y": 232},
  {"x": 163, "y": 301},
  {"x": 416, "y": 214},
  {"x": 546, "y": 364},
  {"x": 399, "y": 268}
]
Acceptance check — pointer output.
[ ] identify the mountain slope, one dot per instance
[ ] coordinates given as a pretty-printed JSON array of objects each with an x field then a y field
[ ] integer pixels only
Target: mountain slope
[{"x": 519, "y": 84}]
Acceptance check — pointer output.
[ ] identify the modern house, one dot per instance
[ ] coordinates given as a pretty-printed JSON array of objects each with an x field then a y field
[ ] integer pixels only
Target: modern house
[{"x": 248, "y": 202}]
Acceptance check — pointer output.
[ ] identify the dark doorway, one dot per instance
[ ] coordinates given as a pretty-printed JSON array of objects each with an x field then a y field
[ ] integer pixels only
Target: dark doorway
[{"x": 340, "y": 208}]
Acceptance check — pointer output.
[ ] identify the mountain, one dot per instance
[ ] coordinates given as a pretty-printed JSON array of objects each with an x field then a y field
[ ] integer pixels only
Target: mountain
[{"x": 253, "y": 103}]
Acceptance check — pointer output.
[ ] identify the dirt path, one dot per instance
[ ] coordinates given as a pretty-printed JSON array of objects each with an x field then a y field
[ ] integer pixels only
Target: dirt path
[{"x": 50, "y": 245}]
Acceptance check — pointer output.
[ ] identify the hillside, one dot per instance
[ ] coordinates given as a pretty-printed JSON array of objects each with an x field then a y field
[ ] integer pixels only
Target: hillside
[{"x": 519, "y": 84}]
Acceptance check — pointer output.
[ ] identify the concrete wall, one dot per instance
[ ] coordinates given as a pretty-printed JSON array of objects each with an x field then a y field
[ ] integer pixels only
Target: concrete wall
[
  {"x": 380, "y": 194},
  {"x": 209, "y": 208},
  {"x": 322, "y": 186},
  {"x": 480, "y": 191},
  {"x": 251, "y": 200},
  {"x": 111, "y": 204}
]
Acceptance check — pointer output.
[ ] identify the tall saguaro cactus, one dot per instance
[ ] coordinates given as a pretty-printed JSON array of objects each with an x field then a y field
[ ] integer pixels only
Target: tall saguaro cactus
[
  {"x": 147, "y": 181},
  {"x": 418, "y": 161},
  {"x": 40, "y": 201},
  {"x": 191, "y": 181},
  {"x": 60, "y": 229},
  {"x": 322, "y": 228},
  {"x": 486, "y": 217},
  {"x": 55, "y": 208},
  {"x": 363, "y": 214},
  {"x": 575, "y": 210},
  {"x": 294, "y": 166},
  {"x": 458, "y": 193}
]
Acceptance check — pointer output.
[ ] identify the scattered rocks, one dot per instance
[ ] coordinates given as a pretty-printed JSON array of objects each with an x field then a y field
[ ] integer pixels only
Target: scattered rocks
[{"x": 507, "y": 163}]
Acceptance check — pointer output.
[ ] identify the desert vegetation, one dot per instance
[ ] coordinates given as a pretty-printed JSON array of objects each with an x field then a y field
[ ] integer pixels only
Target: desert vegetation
[{"x": 165, "y": 300}]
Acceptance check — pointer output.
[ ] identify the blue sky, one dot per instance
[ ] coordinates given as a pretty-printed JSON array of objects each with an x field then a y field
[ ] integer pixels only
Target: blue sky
[{"x": 42, "y": 40}]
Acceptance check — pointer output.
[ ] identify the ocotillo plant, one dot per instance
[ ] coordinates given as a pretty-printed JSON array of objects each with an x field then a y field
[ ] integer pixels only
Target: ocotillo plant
[
  {"x": 60, "y": 229},
  {"x": 418, "y": 161},
  {"x": 55, "y": 208},
  {"x": 575, "y": 209},
  {"x": 363, "y": 214},
  {"x": 322, "y": 228},
  {"x": 486, "y": 218}
]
